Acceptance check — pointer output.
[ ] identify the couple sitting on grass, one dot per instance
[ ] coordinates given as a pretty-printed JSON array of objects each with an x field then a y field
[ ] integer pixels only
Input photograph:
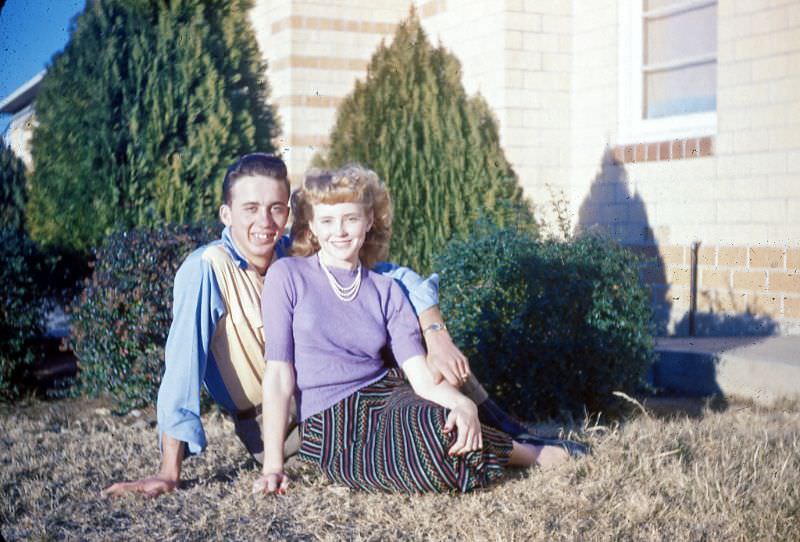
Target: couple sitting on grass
[{"x": 278, "y": 339}]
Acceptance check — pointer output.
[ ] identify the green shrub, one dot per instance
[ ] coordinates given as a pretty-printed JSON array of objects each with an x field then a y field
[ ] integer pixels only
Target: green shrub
[
  {"x": 12, "y": 189},
  {"x": 121, "y": 320},
  {"x": 437, "y": 149},
  {"x": 22, "y": 306},
  {"x": 140, "y": 115},
  {"x": 551, "y": 327}
]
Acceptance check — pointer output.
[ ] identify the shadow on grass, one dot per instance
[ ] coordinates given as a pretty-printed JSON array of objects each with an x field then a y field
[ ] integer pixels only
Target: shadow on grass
[{"x": 668, "y": 407}]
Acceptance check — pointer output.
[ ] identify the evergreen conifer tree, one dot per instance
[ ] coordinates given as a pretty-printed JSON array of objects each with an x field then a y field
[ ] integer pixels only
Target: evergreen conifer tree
[
  {"x": 12, "y": 189},
  {"x": 141, "y": 113},
  {"x": 437, "y": 150}
]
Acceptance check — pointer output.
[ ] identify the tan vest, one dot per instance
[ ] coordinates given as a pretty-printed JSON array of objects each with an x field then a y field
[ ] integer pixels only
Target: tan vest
[{"x": 238, "y": 343}]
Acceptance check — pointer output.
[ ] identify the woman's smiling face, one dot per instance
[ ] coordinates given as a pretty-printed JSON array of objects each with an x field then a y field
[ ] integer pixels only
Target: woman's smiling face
[{"x": 340, "y": 229}]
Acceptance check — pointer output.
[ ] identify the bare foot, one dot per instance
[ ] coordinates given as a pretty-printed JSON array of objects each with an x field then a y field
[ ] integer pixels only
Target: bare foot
[{"x": 550, "y": 456}]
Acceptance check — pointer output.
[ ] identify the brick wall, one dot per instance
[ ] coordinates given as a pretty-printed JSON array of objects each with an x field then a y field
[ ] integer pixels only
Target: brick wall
[
  {"x": 740, "y": 289},
  {"x": 758, "y": 141},
  {"x": 551, "y": 72},
  {"x": 316, "y": 51},
  {"x": 736, "y": 191},
  {"x": 517, "y": 54}
]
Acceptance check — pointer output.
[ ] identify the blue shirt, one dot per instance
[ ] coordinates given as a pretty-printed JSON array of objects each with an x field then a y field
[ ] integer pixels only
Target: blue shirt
[{"x": 216, "y": 337}]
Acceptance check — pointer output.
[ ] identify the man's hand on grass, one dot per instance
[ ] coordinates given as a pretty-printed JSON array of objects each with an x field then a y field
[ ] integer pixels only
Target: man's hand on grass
[
  {"x": 165, "y": 481},
  {"x": 149, "y": 487}
]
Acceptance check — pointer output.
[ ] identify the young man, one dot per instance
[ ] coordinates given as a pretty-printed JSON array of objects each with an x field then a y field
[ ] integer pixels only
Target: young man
[{"x": 216, "y": 337}]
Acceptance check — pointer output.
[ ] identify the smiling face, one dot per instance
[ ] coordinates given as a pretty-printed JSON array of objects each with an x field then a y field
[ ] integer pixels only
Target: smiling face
[
  {"x": 257, "y": 215},
  {"x": 340, "y": 229}
]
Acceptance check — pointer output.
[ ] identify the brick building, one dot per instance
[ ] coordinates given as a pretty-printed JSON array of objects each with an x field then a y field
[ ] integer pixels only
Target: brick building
[
  {"x": 667, "y": 123},
  {"x": 663, "y": 122}
]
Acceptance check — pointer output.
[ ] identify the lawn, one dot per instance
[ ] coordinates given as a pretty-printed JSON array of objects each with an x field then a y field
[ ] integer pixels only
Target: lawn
[{"x": 727, "y": 473}]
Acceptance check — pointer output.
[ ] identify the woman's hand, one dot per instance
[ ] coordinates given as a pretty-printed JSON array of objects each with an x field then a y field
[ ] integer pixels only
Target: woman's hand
[
  {"x": 464, "y": 418},
  {"x": 274, "y": 482}
]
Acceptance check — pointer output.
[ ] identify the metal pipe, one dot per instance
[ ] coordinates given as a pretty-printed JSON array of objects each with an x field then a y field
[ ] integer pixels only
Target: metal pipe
[{"x": 693, "y": 289}]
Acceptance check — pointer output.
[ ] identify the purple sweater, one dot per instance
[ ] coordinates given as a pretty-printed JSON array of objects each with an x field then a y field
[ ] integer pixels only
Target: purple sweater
[{"x": 334, "y": 345}]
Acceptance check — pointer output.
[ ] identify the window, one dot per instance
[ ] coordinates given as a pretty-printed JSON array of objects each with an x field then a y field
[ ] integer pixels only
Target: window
[{"x": 668, "y": 68}]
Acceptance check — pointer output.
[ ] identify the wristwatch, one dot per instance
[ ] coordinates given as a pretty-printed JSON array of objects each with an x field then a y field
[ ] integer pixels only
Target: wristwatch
[{"x": 436, "y": 326}]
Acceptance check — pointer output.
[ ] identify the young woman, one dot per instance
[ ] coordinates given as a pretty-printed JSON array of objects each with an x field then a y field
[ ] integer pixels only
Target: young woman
[{"x": 329, "y": 318}]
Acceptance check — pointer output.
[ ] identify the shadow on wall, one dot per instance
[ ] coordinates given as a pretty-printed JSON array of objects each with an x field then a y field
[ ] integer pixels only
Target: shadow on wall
[
  {"x": 613, "y": 208},
  {"x": 719, "y": 324}
]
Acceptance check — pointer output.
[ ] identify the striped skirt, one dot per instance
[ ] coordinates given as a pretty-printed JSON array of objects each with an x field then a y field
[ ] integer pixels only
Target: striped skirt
[{"x": 385, "y": 438}]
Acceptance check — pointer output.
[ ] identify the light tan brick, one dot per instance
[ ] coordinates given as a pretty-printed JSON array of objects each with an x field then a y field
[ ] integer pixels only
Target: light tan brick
[
  {"x": 765, "y": 304},
  {"x": 737, "y": 73},
  {"x": 558, "y": 24},
  {"x": 733, "y": 211},
  {"x": 711, "y": 278},
  {"x": 733, "y": 302},
  {"x": 770, "y": 68},
  {"x": 772, "y": 116},
  {"x": 732, "y": 256},
  {"x": 768, "y": 21},
  {"x": 766, "y": 257},
  {"x": 705, "y": 301},
  {"x": 786, "y": 137},
  {"x": 749, "y": 280},
  {"x": 722, "y": 301},
  {"x": 513, "y": 40},
  {"x": 791, "y": 307},
  {"x": 672, "y": 255},
  {"x": 707, "y": 256},
  {"x": 678, "y": 297},
  {"x": 679, "y": 276},
  {"x": 793, "y": 259},
  {"x": 751, "y": 140},
  {"x": 793, "y": 160},
  {"x": 784, "y": 282},
  {"x": 784, "y": 90}
]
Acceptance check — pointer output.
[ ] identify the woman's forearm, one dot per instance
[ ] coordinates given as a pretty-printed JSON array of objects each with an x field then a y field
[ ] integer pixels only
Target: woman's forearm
[
  {"x": 422, "y": 382},
  {"x": 277, "y": 389}
]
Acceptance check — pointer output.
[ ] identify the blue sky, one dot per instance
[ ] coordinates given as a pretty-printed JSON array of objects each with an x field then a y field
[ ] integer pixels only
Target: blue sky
[{"x": 31, "y": 31}]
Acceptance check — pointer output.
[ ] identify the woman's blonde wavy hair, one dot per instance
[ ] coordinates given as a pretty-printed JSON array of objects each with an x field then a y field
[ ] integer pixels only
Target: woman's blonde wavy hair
[{"x": 350, "y": 184}]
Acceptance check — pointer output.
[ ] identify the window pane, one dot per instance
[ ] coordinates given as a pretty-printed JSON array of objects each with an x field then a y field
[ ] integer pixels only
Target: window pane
[
  {"x": 681, "y": 91},
  {"x": 683, "y": 35}
]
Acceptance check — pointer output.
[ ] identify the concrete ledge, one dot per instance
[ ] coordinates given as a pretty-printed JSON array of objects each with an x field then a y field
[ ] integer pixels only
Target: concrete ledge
[{"x": 763, "y": 369}]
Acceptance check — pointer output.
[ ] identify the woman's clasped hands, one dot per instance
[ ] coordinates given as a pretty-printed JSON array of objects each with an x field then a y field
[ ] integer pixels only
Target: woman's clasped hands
[{"x": 464, "y": 419}]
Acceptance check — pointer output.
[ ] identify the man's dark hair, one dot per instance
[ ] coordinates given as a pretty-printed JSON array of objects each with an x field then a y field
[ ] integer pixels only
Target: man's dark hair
[{"x": 255, "y": 164}]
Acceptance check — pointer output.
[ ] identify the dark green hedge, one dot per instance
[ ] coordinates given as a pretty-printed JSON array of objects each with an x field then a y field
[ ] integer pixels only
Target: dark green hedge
[
  {"x": 22, "y": 308},
  {"x": 121, "y": 320},
  {"x": 551, "y": 328}
]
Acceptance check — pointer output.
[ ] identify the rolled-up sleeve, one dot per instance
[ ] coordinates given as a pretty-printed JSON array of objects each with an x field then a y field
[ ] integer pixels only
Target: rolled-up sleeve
[
  {"x": 197, "y": 307},
  {"x": 423, "y": 293}
]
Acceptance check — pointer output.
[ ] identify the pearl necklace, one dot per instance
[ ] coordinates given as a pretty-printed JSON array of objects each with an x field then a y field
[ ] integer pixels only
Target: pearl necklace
[{"x": 348, "y": 293}]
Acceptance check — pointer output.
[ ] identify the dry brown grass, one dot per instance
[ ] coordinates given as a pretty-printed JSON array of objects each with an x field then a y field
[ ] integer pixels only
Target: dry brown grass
[{"x": 724, "y": 475}]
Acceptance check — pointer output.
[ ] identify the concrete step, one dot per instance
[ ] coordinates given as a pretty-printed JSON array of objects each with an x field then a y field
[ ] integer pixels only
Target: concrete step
[{"x": 763, "y": 369}]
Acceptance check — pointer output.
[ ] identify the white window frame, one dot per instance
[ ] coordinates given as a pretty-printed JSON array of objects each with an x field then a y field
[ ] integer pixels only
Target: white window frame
[{"x": 633, "y": 128}]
